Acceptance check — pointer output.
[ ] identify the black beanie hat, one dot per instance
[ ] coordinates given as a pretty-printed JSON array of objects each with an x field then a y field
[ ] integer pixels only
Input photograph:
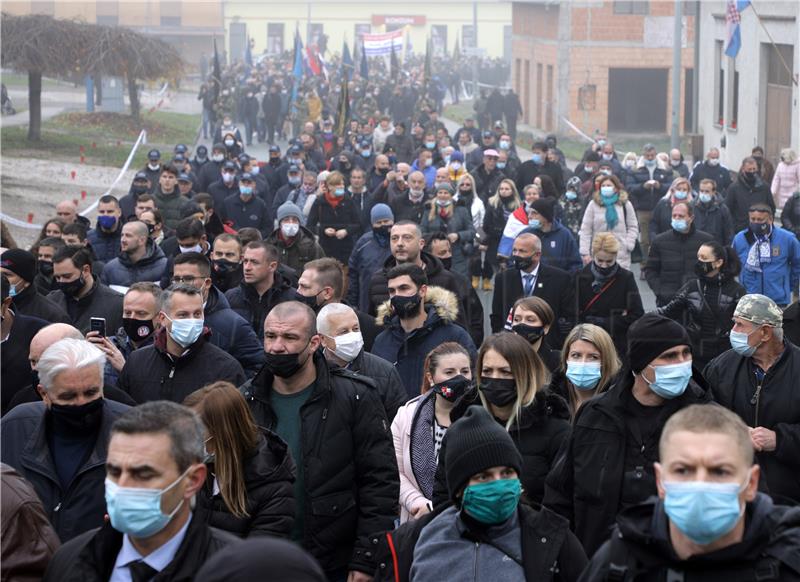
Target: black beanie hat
[
  {"x": 21, "y": 263},
  {"x": 650, "y": 336},
  {"x": 544, "y": 206},
  {"x": 477, "y": 442}
]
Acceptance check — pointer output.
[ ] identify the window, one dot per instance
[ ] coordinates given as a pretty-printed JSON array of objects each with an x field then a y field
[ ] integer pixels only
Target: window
[
  {"x": 315, "y": 32},
  {"x": 237, "y": 39},
  {"x": 108, "y": 12},
  {"x": 275, "y": 37},
  {"x": 439, "y": 40},
  {"x": 734, "y": 110},
  {"x": 719, "y": 85},
  {"x": 777, "y": 73},
  {"x": 468, "y": 36},
  {"x": 631, "y": 7},
  {"x": 170, "y": 13}
]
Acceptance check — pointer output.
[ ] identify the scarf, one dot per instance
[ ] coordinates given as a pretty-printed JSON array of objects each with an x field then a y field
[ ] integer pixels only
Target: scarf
[
  {"x": 334, "y": 201},
  {"x": 599, "y": 279},
  {"x": 612, "y": 218},
  {"x": 760, "y": 253},
  {"x": 421, "y": 448}
]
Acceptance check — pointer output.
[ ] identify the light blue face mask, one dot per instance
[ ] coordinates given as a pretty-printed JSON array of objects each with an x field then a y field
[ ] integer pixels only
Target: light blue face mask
[
  {"x": 535, "y": 223},
  {"x": 583, "y": 375},
  {"x": 740, "y": 344},
  {"x": 501, "y": 165},
  {"x": 137, "y": 511},
  {"x": 571, "y": 195},
  {"x": 671, "y": 380},
  {"x": 705, "y": 198},
  {"x": 607, "y": 191},
  {"x": 12, "y": 291},
  {"x": 537, "y": 158},
  {"x": 704, "y": 512},
  {"x": 339, "y": 192},
  {"x": 679, "y": 224},
  {"x": 185, "y": 331},
  {"x": 681, "y": 195},
  {"x": 246, "y": 190},
  {"x": 430, "y": 144}
]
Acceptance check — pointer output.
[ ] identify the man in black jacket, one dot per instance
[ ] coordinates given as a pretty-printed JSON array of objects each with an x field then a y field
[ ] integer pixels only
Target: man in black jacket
[
  {"x": 757, "y": 379},
  {"x": 710, "y": 169},
  {"x": 156, "y": 447},
  {"x": 60, "y": 445},
  {"x": 347, "y": 481},
  {"x": 607, "y": 463},
  {"x": 748, "y": 189},
  {"x": 538, "y": 165},
  {"x": 19, "y": 266},
  {"x": 182, "y": 359}
]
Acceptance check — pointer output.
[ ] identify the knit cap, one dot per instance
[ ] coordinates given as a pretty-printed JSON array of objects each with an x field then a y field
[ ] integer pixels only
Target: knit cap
[
  {"x": 20, "y": 262},
  {"x": 288, "y": 209},
  {"x": 380, "y": 212},
  {"x": 650, "y": 336}
]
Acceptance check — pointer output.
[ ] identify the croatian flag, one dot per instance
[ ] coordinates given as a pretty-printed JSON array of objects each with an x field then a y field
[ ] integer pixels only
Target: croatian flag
[
  {"x": 515, "y": 224},
  {"x": 733, "y": 17}
]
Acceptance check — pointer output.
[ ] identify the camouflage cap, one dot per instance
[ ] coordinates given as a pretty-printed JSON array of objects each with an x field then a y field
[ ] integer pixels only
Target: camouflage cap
[{"x": 759, "y": 309}]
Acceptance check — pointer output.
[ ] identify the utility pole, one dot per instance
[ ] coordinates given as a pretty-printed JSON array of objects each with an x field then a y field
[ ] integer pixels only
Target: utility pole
[
  {"x": 675, "y": 139},
  {"x": 475, "y": 91}
]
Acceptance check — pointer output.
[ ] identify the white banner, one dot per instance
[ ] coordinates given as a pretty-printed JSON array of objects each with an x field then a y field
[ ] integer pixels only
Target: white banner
[{"x": 377, "y": 45}]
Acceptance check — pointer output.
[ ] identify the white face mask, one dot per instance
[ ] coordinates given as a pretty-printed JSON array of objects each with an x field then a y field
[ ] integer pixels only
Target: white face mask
[
  {"x": 195, "y": 249},
  {"x": 154, "y": 167},
  {"x": 290, "y": 229},
  {"x": 217, "y": 157},
  {"x": 348, "y": 345}
]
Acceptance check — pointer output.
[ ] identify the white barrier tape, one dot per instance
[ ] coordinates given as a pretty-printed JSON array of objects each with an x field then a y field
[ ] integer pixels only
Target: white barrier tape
[
  {"x": 160, "y": 92},
  {"x": 31, "y": 226},
  {"x": 576, "y": 130}
]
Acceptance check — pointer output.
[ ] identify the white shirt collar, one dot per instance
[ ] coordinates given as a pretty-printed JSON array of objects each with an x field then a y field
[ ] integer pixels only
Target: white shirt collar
[
  {"x": 157, "y": 560},
  {"x": 535, "y": 272}
]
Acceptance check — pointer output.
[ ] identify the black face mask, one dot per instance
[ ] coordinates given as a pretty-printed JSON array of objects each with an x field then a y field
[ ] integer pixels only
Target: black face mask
[
  {"x": 499, "y": 391},
  {"x": 274, "y": 162},
  {"x": 72, "y": 288},
  {"x": 77, "y": 420},
  {"x": 406, "y": 307},
  {"x": 453, "y": 388},
  {"x": 310, "y": 300},
  {"x": 224, "y": 266},
  {"x": 139, "y": 190},
  {"x": 46, "y": 268},
  {"x": 703, "y": 268},
  {"x": 138, "y": 329},
  {"x": 284, "y": 365},
  {"x": 759, "y": 228},
  {"x": 605, "y": 271},
  {"x": 521, "y": 263},
  {"x": 447, "y": 262},
  {"x": 750, "y": 177},
  {"x": 383, "y": 171},
  {"x": 530, "y": 333}
]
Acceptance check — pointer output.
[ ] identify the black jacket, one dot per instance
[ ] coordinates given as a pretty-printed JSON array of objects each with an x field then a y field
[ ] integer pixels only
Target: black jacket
[
  {"x": 252, "y": 213},
  {"x": 24, "y": 446},
  {"x": 345, "y": 216},
  {"x": 732, "y": 381},
  {"x": 121, "y": 271},
  {"x": 245, "y": 301},
  {"x": 269, "y": 472},
  {"x": 386, "y": 379},
  {"x": 642, "y": 197},
  {"x": 31, "y": 303},
  {"x": 740, "y": 196},
  {"x": 640, "y": 547},
  {"x": 715, "y": 219},
  {"x": 15, "y": 371},
  {"x": 702, "y": 171},
  {"x": 150, "y": 373},
  {"x": 790, "y": 216},
  {"x": 91, "y": 556},
  {"x": 231, "y": 333},
  {"x": 586, "y": 484},
  {"x": 349, "y": 466},
  {"x": 671, "y": 261},
  {"x": 529, "y": 170},
  {"x": 101, "y": 301}
]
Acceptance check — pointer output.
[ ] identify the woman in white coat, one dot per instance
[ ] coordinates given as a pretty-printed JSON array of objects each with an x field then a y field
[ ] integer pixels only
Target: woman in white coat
[
  {"x": 478, "y": 267},
  {"x": 609, "y": 211}
]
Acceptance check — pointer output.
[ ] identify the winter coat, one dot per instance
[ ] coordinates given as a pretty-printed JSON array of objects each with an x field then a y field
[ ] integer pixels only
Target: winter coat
[
  {"x": 404, "y": 209},
  {"x": 91, "y": 556},
  {"x": 101, "y": 301},
  {"x": 367, "y": 258},
  {"x": 460, "y": 223},
  {"x": 245, "y": 300},
  {"x": 252, "y": 213},
  {"x": 772, "y": 404},
  {"x": 780, "y": 277},
  {"x": 785, "y": 182},
  {"x": 615, "y": 309},
  {"x": 671, "y": 261},
  {"x": 207, "y": 175},
  {"x": 33, "y": 304},
  {"x": 387, "y": 381},
  {"x": 559, "y": 248},
  {"x": 626, "y": 231},
  {"x": 640, "y": 548},
  {"x": 407, "y": 351},
  {"x": 350, "y": 474},
  {"x": 790, "y": 216},
  {"x": 402, "y": 145},
  {"x": 715, "y": 219},
  {"x": 105, "y": 244},
  {"x": 301, "y": 250},
  {"x": 740, "y": 196},
  {"x": 268, "y": 473},
  {"x": 15, "y": 370},
  {"x": 345, "y": 216},
  {"x": 171, "y": 206},
  {"x": 644, "y": 198},
  {"x": 231, "y": 333},
  {"x": 703, "y": 171},
  {"x": 121, "y": 271},
  {"x": 705, "y": 308},
  {"x": 24, "y": 446},
  {"x": 486, "y": 183},
  {"x": 661, "y": 219},
  {"x": 529, "y": 170},
  {"x": 150, "y": 373},
  {"x": 587, "y": 482}
]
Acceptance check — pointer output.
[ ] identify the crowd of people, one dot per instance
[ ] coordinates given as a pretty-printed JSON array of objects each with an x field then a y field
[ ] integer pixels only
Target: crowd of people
[{"x": 292, "y": 350}]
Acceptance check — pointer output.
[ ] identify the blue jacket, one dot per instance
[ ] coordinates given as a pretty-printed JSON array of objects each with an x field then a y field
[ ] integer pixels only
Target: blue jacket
[
  {"x": 121, "y": 271},
  {"x": 105, "y": 244},
  {"x": 230, "y": 332},
  {"x": 781, "y": 275},
  {"x": 407, "y": 351},
  {"x": 429, "y": 173},
  {"x": 559, "y": 248},
  {"x": 366, "y": 259}
]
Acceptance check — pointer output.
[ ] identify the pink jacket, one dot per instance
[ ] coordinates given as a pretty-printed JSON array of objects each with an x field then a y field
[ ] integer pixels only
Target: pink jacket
[
  {"x": 785, "y": 182},
  {"x": 411, "y": 497}
]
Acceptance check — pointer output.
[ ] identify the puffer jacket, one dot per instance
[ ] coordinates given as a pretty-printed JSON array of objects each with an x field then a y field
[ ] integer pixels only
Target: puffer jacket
[
  {"x": 298, "y": 252},
  {"x": 460, "y": 223},
  {"x": 626, "y": 231},
  {"x": 741, "y": 195},
  {"x": 105, "y": 244},
  {"x": 268, "y": 472},
  {"x": 785, "y": 182},
  {"x": 715, "y": 219},
  {"x": 644, "y": 198},
  {"x": 170, "y": 206},
  {"x": 121, "y": 271},
  {"x": 387, "y": 381},
  {"x": 407, "y": 351},
  {"x": 245, "y": 301},
  {"x": 349, "y": 469},
  {"x": 671, "y": 261}
]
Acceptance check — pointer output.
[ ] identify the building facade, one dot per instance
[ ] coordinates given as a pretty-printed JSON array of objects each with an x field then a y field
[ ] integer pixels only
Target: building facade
[
  {"x": 602, "y": 65},
  {"x": 750, "y": 100}
]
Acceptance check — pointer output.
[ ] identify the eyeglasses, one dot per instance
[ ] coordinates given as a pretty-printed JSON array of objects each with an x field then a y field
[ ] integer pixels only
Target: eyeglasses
[{"x": 185, "y": 279}]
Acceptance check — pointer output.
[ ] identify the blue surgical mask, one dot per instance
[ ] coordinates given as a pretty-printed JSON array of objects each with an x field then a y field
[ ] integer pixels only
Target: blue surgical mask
[
  {"x": 366, "y": 153},
  {"x": 681, "y": 195},
  {"x": 703, "y": 511},
  {"x": 430, "y": 144},
  {"x": 537, "y": 158},
  {"x": 501, "y": 165},
  {"x": 106, "y": 221},
  {"x": 607, "y": 191},
  {"x": 294, "y": 180},
  {"x": 671, "y": 380},
  {"x": 679, "y": 224},
  {"x": 338, "y": 192},
  {"x": 571, "y": 195},
  {"x": 137, "y": 511},
  {"x": 246, "y": 190},
  {"x": 650, "y": 163},
  {"x": 12, "y": 291},
  {"x": 493, "y": 502},
  {"x": 705, "y": 198},
  {"x": 504, "y": 144},
  {"x": 535, "y": 223},
  {"x": 740, "y": 344},
  {"x": 583, "y": 375},
  {"x": 185, "y": 331}
]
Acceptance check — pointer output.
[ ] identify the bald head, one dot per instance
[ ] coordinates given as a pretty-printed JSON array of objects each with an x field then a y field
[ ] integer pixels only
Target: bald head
[
  {"x": 47, "y": 336},
  {"x": 67, "y": 211},
  {"x": 136, "y": 228}
]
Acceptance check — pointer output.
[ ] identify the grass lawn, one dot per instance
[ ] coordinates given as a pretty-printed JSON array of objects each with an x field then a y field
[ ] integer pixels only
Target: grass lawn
[
  {"x": 106, "y": 137},
  {"x": 20, "y": 81}
]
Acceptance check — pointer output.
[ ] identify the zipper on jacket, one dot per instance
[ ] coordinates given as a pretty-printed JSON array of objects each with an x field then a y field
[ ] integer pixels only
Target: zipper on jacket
[
  {"x": 475, "y": 563},
  {"x": 755, "y": 400}
]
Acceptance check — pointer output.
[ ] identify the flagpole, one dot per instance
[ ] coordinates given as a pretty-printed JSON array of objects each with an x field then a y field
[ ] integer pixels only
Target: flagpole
[{"x": 772, "y": 41}]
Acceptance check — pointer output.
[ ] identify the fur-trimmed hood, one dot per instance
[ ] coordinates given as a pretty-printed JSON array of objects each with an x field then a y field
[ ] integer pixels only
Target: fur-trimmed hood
[
  {"x": 444, "y": 303},
  {"x": 623, "y": 198}
]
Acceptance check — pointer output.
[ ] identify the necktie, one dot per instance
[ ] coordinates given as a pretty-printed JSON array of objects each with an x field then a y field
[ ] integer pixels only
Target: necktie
[
  {"x": 528, "y": 284},
  {"x": 141, "y": 572}
]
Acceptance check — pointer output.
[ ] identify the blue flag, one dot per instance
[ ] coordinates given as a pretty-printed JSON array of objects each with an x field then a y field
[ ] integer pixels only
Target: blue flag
[
  {"x": 364, "y": 63},
  {"x": 733, "y": 16},
  {"x": 297, "y": 70},
  {"x": 347, "y": 61},
  {"x": 248, "y": 55}
]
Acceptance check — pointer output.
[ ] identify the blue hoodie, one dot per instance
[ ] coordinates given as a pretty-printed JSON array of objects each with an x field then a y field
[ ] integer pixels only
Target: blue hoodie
[{"x": 559, "y": 248}]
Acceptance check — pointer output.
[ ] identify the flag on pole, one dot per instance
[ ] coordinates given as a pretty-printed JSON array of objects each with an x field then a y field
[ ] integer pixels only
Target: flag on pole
[
  {"x": 343, "y": 109},
  {"x": 248, "y": 55},
  {"x": 395, "y": 66},
  {"x": 297, "y": 70},
  {"x": 456, "y": 52},
  {"x": 216, "y": 75},
  {"x": 428, "y": 50},
  {"x": 733, "y": 16},
  {"x": 347, "y": 61},
  {"x": 364, "y": 63}
]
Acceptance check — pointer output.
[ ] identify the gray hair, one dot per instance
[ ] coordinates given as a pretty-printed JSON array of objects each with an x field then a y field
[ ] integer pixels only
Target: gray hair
[
  {"x": 147, "y": 287},
  {"x": 326, "y": 312},
  {"x": 181, "y": 424},
  {"x": 648, "y": 147},
  {"x": 537, "y": 242},
  {"x": 185, "y": 288},
  {"x": 68, "y": 354}
]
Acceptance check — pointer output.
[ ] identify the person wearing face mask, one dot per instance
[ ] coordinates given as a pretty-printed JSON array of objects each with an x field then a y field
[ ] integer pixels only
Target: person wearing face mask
[
  {"x": 200, "y": 159},
  {"x": 233, "y": 146},
  {"x": 559, "y": 248},
  {"x": 424, "y": 164},
  {"x": 244, "y": 208},
  {"x": 610, "y": 210},
  {"x": 141, "y": 259},
  {"x": 59, "y": 445},
  {"x": 19, "y": 267},
  {"x": 679, "y": 191},
  {"x": 487, "y": 175},
  {"x": 225, "y": 185},
  {"x": 571, "y": 207},
  {"x": 336, "y": 429},
  {"x": 140, "y": 185},
  {"x": 226, "y": 262},
  {"x": 105, "y": 237},
  {"x": 44, "y": 280},
  {"x": 710, "y": 168},
  {"x": 370, "y": 252},
  {"x": 153, "y": 168},
  {"x": 451, "y": 216},
  {"x": 298, "y": 194},
  {"x": 748, "y": 189},
  {"x": 756, "y": 379},
  {"x": 705, "y": 305},
  {"x": 707, "y": 523},
  {"x": 770, "y": 257},
  {"x": 539, "y": 164},
  {"x": 673, "y": 254},
  {"x": 786, "y": 181},
  {"x": 335, "y": 219},
  {"x": 295, "y": 243},
  {"x": 408, "y": 201},
  {"x": 765, "y": 168},
  {"x": 210, "y": 172},
  {"x": 711, "y": 215},
  {"x": 647, "y": 182},
  {"x": 344, "y": 345},
  {"x": 151, "y": 531},
  {"x": 181, "y": 358},
  {"x": 607, "y": 463},
  {"x": 531, "y": 318},
  {"x": 416, "y": 318}
]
